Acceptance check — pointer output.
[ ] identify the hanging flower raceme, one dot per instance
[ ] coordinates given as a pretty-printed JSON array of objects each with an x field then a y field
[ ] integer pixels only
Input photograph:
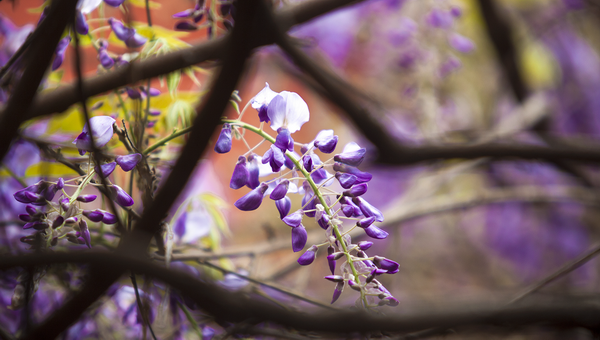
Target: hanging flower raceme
[
  {"x": 286, "y": 112},
  {"x": 66, "y": 217}
]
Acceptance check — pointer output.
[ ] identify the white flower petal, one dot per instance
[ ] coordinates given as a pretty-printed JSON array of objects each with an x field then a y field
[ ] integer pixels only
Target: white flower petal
[
  {"x": 352, "y": 146},
  {"x": 264, "y": 97},
  {"x": 323, "y": 135},
  {"x": 263, "y": 169},
  {"x": 86, "y": 6},
  {"x": 288, "y": 110}
]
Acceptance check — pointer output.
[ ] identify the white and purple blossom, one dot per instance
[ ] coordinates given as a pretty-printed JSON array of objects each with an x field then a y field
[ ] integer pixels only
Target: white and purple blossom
[{"x": 101, "y": 131}]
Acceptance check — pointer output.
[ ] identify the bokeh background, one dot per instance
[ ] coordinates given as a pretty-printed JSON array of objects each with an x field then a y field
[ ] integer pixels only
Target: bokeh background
[{"x": 476, "y": 230}]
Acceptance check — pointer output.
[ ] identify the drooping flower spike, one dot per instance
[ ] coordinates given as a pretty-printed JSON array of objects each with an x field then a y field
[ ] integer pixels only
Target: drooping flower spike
[{"x": 287, "y": 112}]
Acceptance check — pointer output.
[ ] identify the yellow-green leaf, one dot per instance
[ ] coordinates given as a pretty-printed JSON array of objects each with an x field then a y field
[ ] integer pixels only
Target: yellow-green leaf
[{"x": 49, "y": 169}]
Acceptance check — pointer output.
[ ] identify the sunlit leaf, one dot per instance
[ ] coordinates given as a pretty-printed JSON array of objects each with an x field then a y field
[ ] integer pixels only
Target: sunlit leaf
[{"x": 49, "y": 169}]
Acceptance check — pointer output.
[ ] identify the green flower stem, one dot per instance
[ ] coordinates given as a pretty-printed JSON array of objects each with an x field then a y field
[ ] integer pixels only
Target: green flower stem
[
  {"x": 315, "y": 188},
  {"x": 81, "y": 187},
  {"x": 164, "y": 141}
]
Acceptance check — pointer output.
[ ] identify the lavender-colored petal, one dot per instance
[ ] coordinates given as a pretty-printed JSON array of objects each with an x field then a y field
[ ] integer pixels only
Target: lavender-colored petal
[
  {"x": 284, "y": 140},
  {"x": 390, "y": 266},
  {"x": 154, "y": 112},
  {"x": 376, "y": 232},
  {"x": 223, "y": 144},
  {"x": 331, "y": 262},
  {"x": 309, "y": 202},
  {"x": 275, "y": 157},
  {"x": 353, "y": 158},
  {"x": 294, "y": 220},
  {"x": 86, "y": 198},
  {"x": 240, "y": 174},
  {"x": 106, "y": 169},
  {"x": 288, "y": 110},
  {"x": 357, "y": 190},
  {"x": 81, "y": 25},
  {"x": 184, "y": 14},
  {"x": 346, "y": 180},
  {"x": 263, "y": 115},
  {"x": 49, "y": 192},
  {"x": 284, "y": 206},
  {"x": 93, "y": 215},
  {"x": 324, "y": 221},
  {"x": 339, "y": 287},
  {"x": 135, "y": 41},
  {"x": 108, "y": 218},
  {"x": 179, "y": 228},
  {"x": 105, "y": 60},
  {"x": 121, "y": 197},
  {"x": 461, "y": 43},
  {"x": 367, "y": 209},
  {"x": 123, "y": 33},
  {"x": 299, "y": 237},
  {"x": 31, "y": 210},
  {"x": 280, "y": 190},
  {"x": 307, "y": 163},
  {"x": 366, "y": 222},
  {"x": 85, "y": 233},
  {"x": 361, "y": 177},
  {"x": 439, "y": 19},
  {"x": 262, "y": 100},
  {"x": 364, "y": 245},
  {"x": 253, "y": 172},
  {"x": 114, "y": 3},
  {"x": 327, "y": 145},
  {"x": 253, "y": 199},
  {"x": 128, "y": 162},
  {"x": 101, "y": 130},
  {"x": 60, "y": 52},
  {"x": 60, "y": 184},
  {"x": 308, "y": 257}
]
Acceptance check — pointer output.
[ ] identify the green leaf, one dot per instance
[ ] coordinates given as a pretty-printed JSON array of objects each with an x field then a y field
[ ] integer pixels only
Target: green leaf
[
  {"x": 173, "y": 80},
  {"x": 235, "y": 106},
  {"x": 190, "y": 73},
  {"x": 49, "y": 169}
]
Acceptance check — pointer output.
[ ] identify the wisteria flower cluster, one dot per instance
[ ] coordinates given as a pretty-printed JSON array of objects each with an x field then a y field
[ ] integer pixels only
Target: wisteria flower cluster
[
  {"x": 54, "y": 220},
  {"x": 306, "y": 174}
]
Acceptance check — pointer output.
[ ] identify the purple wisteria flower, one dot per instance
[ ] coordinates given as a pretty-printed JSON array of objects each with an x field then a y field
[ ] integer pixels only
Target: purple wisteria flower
[
  {"x": 127, "y": 35},
  {"x": 101, "y": 131},
  {"x": 128, "y": 162},
  {"x": 261, "y": 101},
  {"x": 59, "y": 54},
  {"x": 223, "y": 144}
]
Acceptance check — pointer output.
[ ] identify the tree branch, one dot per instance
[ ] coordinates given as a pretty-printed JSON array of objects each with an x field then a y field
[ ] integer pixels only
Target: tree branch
[
  {"x": 62, "y": 98},
  {"x": 37, "y": 58},
  {"x": 236, "y": 307}
]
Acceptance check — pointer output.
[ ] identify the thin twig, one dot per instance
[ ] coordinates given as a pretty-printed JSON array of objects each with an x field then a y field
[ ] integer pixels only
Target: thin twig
[{"x": 264, "y": 284}]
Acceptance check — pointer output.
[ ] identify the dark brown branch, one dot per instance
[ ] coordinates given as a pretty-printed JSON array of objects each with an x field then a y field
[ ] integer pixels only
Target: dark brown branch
[
  {"x": 37, "y": 58},
  {"x": 236, "y": 307},
  {"x": 364, "y": 120},
  {"x": 409, "y": 155},
  {"x": 62, "y": 98},
  {"x": 500, "y": 33}
]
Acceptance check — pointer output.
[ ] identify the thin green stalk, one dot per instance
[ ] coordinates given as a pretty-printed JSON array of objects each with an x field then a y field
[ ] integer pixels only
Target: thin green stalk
[
  {"x": 167, "y": 139},
  {"x": 315, "y": 189}
]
